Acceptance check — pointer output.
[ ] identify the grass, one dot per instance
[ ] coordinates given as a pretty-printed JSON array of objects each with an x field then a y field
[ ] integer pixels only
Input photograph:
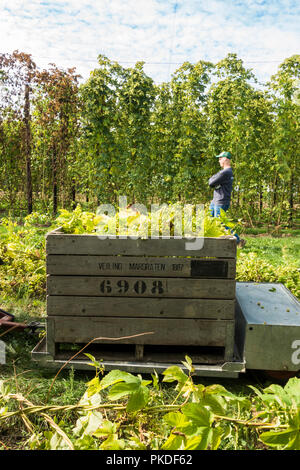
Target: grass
[{"x": 275, "y": 250}]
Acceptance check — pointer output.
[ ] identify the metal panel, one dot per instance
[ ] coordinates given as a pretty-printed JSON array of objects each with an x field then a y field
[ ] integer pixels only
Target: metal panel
[
  {"x": 270, "y": 316},
  {"x": 268, "y": 303}
]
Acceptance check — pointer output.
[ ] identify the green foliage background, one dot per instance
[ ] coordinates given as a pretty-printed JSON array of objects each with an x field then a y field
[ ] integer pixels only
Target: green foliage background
[{"x": 118, "y": 133}]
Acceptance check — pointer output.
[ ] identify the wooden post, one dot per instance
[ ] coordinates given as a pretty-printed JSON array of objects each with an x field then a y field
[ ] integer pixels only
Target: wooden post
[
  {"x": 139, "y": 352},
  {"x": 28, "y": 148}
]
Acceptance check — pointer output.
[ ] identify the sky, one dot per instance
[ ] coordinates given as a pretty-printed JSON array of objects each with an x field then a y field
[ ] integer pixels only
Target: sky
[{"x": 162, "y": 33}]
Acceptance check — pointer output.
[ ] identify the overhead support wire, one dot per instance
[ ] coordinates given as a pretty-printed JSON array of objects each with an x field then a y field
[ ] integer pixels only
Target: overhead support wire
[{"x": 172, "y": 38}]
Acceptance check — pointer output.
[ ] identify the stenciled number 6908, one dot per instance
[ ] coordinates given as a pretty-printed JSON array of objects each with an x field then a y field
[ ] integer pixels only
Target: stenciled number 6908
[{"x": 122, "y": 286}]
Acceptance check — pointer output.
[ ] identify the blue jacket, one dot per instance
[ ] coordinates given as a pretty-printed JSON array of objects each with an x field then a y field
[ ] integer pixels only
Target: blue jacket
[{"x": 222, "y": 184}]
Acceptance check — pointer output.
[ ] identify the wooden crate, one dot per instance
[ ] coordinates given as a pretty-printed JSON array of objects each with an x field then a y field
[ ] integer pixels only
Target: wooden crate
[{"x": 122, "y": 287}]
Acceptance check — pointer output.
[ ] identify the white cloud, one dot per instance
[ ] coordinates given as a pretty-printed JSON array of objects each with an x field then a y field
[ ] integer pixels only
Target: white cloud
[{"x": 73, "y": 33}]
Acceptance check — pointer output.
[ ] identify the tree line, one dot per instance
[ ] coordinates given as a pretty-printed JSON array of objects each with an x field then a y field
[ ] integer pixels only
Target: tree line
[{"x": 118, "y": 133}]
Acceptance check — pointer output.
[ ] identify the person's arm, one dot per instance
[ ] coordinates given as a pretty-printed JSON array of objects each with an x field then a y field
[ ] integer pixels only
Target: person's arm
[{"x": 217, "y": 179}]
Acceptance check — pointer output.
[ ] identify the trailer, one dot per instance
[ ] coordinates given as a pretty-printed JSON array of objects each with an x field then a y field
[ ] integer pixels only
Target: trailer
[{"x": 142, "y": 305}]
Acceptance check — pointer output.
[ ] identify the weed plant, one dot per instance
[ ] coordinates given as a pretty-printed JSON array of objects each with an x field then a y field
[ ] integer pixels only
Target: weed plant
[{"x": 117, "y": 410}]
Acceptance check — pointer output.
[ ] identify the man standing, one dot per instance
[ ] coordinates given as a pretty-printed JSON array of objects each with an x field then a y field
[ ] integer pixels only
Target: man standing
[{"x": 222, "y": 184}]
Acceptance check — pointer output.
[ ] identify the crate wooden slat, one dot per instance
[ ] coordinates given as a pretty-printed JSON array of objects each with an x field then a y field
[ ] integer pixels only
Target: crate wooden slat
[
  {"x": 135, "y": 307},
  {"x": 141, "y": 287},
  {"x": 91, "y": 244},
  {"x": 140, "y": 266},
  {"x": 161, "y": 331}
]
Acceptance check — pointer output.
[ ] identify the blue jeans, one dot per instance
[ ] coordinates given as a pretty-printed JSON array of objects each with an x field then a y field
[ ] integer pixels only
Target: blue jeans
[{"x": 215, "y": 210}]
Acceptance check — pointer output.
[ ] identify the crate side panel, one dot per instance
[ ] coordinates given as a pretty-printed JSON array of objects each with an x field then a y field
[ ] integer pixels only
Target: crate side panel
[
  {"x": 140, "y": 287},
  {"x": 210, "y": 333},
  {"x": 135, "y": 307},
  {"x": 64, "y": 244},
  {"x": 140, "y": 266}
]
